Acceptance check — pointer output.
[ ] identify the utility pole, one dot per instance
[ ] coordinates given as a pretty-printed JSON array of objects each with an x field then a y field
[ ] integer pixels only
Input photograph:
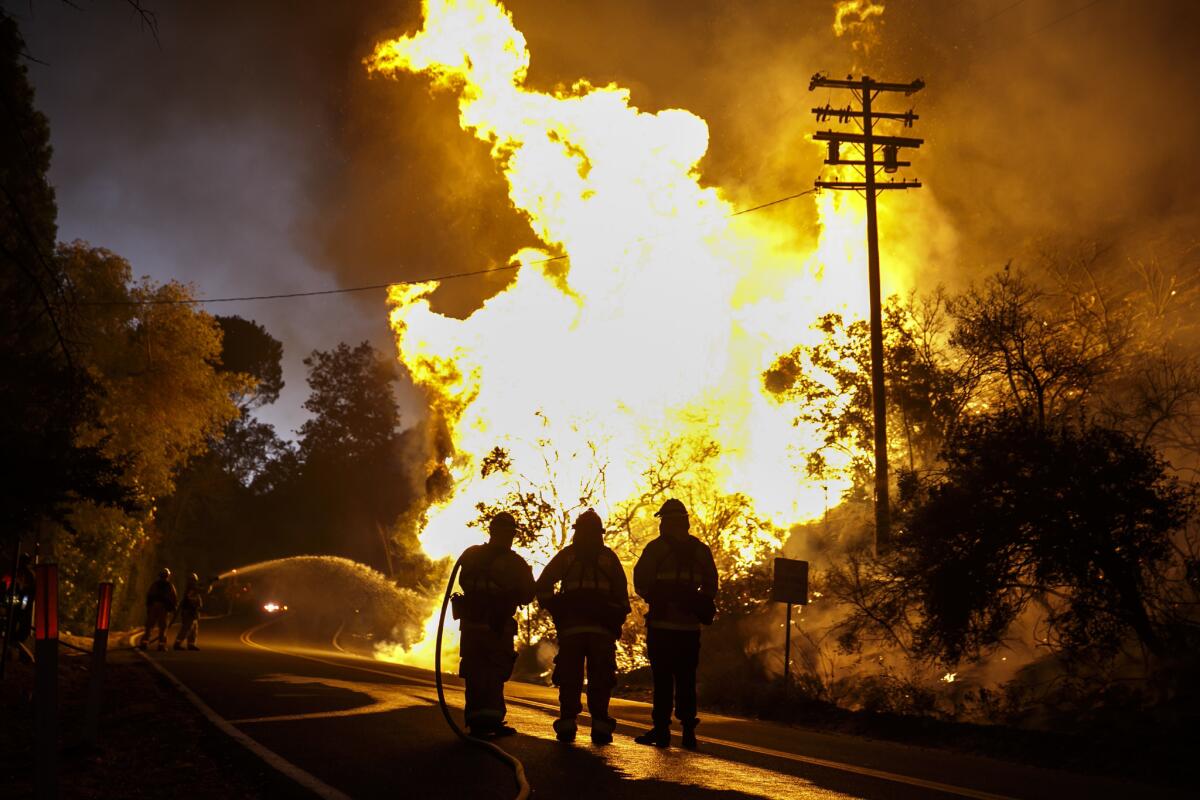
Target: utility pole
[{"x": 865, "y": 91}]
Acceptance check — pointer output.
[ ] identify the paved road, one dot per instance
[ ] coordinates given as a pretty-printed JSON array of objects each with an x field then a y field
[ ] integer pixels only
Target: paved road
[{"x": 371, "y": 729}]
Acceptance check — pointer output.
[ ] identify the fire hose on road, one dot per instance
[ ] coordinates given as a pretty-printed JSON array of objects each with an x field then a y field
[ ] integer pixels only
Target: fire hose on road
[{"x": 517, "y": 767}]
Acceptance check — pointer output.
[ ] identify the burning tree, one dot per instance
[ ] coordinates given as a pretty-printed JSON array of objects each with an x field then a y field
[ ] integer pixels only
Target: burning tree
[
  {"x": 829, "y": 385},
  {"x": 543, "y": 505}
]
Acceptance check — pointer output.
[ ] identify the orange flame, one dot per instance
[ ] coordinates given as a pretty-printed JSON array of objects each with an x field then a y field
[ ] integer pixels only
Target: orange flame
[
  {"x": 860, "y": 19},
  {"x": 660, "y": 320}
]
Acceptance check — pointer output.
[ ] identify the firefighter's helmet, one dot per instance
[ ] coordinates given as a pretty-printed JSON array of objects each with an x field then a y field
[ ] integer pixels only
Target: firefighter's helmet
[
  {"x": 503, "y": 522},
  {"x": 589, "y": 521}
]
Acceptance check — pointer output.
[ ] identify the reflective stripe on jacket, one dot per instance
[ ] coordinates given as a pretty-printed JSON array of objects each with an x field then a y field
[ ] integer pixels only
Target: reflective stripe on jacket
[
  {"x": 666, "y": 572},
  {"x": 593, "y": 590},
  {"x": 495, "y": 581}
]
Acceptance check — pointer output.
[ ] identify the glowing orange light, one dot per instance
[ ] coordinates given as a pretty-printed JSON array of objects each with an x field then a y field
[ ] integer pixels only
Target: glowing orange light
[
  {"x": 45, "y": 608},
  {"x": 104, "y": 605}
]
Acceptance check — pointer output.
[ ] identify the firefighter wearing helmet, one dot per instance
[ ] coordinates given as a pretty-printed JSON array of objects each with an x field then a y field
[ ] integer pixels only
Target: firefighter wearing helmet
[
  {"x": 676, "y": 575},
  {"x": 160, "y": 602},
  {"x": 495, "y": 582},
  {"x": 189, "y": 613},
  {"x": 589, "y": 609}
]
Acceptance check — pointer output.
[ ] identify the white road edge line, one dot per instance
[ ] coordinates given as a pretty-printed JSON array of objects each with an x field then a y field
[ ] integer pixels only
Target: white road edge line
[
  {"x": 305, "y": 779},
  {"x": 892, "y": 777}
]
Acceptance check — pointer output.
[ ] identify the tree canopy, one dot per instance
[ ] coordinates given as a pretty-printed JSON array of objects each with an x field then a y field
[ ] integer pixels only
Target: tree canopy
[
  {"x": 46, "y": 393},
  {"x": 160, "y": 399},
  {"x": 1075, "y": 519}
]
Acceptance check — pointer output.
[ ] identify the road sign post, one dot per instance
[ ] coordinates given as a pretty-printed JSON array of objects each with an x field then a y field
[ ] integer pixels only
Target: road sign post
[
  {"x": 790, "y": 586},
  {"x": 91, "y": 726},
  {"x": 45, "y": 686}
]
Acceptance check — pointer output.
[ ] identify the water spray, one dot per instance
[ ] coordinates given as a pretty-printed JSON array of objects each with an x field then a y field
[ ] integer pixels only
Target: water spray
[{"x": 517, "y": 768}]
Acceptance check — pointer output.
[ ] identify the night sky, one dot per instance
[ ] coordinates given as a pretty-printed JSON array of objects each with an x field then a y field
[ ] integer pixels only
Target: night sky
[{"x": 246, "y": 150}]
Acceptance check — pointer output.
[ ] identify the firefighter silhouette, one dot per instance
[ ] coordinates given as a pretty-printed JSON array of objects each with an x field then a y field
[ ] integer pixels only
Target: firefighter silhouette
[
  {"x": 189, "y": 613},
  {"x": 161, "y": 599},
  {"x": 676, "y": 575},
  {"x": 589, "y": 609},
  {"x": 495, "y": 582}
]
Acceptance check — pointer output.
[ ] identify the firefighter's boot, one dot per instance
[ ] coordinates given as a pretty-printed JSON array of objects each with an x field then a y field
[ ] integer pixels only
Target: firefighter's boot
[
  {"x": 689, "y": 735},
  {"x": 602, "y": 730},
  {"x": 659, "y": 737},
  {"x": 179, "y": 645},
  {"x": 564, "y": 729}
]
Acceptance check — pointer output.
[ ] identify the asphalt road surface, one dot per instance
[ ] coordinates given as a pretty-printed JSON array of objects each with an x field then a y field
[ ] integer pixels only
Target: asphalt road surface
[{"x": 366, "y": 729}]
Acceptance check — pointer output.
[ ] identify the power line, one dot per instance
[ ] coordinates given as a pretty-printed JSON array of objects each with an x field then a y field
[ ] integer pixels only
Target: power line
[
  {"x": 377, "y": 286},
  {"x": 320, "y": 292},
  {"x": 1004, "y": 10},
  {"x": 1035, "y": 31},
  {"x": 772, "y": 203},
  {"x": 1068, "y": 15}
]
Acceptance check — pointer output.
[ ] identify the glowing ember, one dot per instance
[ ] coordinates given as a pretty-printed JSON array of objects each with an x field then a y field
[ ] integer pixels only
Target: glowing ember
[{"x": 950, "y": 677}]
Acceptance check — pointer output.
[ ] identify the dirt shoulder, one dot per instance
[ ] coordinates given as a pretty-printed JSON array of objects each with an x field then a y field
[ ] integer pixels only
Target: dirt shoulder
[{"x": 153, "y": 742}]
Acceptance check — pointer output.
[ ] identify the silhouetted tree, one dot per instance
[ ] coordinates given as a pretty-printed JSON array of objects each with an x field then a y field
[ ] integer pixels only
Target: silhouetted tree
[
  {"x": 351, "y": 482},
  {"x": 1078, "y": 520},
  {"x": 542, "y": 501},
  {"x": 46, "y": 393},
  {"x": 247, "y": 348},
  {"x": 829, "y": 383},
  {"x": 353, "y": 404},
  {"x": 220, "y": 514},
  {"x": 1038, "y": 355}
]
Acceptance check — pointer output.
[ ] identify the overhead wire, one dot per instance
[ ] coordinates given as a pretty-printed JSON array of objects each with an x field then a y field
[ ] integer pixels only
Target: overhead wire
[
  {"x": 1032, "y": 33},
  {"x": 1004, "y": 10},
  {"x": 1068, "y": 15},
  {"x": 389, "y": 284}
]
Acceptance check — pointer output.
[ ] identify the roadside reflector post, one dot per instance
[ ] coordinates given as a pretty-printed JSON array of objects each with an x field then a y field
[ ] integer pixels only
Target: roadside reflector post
[
  {"x": 91, "y": 719},
  {"x": 45, "y": 682},
  {"x": 789, "y": 585}
]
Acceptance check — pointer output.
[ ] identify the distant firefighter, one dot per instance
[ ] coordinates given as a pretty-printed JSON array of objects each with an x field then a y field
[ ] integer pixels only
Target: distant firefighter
[
  {"x": 189, "y": 613},
  {"x": 24, "y": 582},
  {"x": 676, "y": 575},
  {"x": 160, "y": 602},
  {"x": 589, "y": 609},
  {"x": 495, "y": 581}
]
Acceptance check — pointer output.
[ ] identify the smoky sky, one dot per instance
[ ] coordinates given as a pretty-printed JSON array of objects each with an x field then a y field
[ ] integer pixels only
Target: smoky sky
[{"x": 247, "y": 151}]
